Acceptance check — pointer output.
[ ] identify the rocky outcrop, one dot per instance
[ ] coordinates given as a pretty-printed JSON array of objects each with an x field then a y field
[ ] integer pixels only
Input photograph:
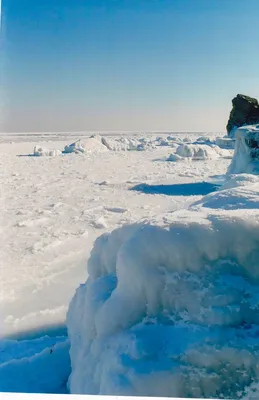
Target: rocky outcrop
[{"x": 245, "y": 111}]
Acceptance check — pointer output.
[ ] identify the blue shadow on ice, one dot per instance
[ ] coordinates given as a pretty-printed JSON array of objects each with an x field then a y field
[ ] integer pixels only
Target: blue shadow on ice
[
  {"x": 44, "y": 349},
  {"x": 178, "y": 189}
]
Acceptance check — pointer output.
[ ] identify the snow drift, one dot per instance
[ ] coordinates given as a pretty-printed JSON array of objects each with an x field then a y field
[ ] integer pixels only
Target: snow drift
[
  {"x": 170, "y": 310},
  {"x": 241, "y": 197},
  {"x": 246, "y": 156},
  {"x": 240, "y": 180}
]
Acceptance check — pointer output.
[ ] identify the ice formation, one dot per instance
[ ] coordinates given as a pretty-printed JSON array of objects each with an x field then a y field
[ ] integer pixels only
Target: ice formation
[
  {"x": 199, "y": 151},
  {"x": 207, "y": 140},
  {"x": 91, "y": 144},
  {"x": 175, "y": 157},
  {"x": 246, "y": 156},
  {"x": 76, "y": 147},
  {"x": 128, "y": 144},
  {"x": 171, "y": 310},
  {"x": 41, "y": 152}
]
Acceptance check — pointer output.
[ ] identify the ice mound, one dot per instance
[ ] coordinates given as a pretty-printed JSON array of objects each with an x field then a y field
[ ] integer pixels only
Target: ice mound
[
  {"x": 40, "y": 152},
  {"x": 246, "y": 156},
  {"x": 170, "y": 310},
  {"x": 198, "y": 152},
  {"x": 128, "y": 144},
  {"x": 91, "y": 144}
]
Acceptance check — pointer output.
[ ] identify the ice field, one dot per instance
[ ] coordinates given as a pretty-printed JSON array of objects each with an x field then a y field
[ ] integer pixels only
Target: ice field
[{"x": 160, "y": 244}]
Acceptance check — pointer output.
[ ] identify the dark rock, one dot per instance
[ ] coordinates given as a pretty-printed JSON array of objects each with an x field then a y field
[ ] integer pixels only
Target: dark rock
[{"x": 245, "y": 111}]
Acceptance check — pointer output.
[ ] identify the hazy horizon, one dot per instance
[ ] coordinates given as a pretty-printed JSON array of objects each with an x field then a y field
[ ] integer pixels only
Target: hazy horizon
[
  {"x": 122, "y": 65},
  {"x": 111, "y": 132}
]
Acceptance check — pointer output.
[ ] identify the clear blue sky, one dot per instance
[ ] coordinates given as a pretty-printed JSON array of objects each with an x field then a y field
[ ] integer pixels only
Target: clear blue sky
[{"x": 126, "y": 64}]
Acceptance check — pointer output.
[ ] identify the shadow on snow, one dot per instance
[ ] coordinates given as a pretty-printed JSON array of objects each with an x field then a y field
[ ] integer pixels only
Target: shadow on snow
[{"x": 178, "y": 189}]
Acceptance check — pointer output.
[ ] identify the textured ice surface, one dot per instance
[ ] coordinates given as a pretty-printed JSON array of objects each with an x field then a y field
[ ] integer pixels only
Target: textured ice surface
[{"x": 246, "y": 156}]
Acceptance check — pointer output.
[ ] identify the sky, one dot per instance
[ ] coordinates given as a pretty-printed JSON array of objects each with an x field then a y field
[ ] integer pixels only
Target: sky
[{"x": 128, "y": 65}]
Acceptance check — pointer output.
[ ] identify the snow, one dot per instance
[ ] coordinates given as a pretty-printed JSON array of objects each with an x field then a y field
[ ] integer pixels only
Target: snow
[
  {"x": 246, "y": 156},
  {"x": 240, "y": 180},
  {"x": 237, "y": 198},
  {"x": 239, "y": 191},
  {"x": 129, "y": 333},
  {"x": 55, "y": 208}
]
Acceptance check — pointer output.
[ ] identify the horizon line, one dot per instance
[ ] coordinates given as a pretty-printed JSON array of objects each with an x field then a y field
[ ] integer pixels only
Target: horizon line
[{"x": 104, "y": 131}]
